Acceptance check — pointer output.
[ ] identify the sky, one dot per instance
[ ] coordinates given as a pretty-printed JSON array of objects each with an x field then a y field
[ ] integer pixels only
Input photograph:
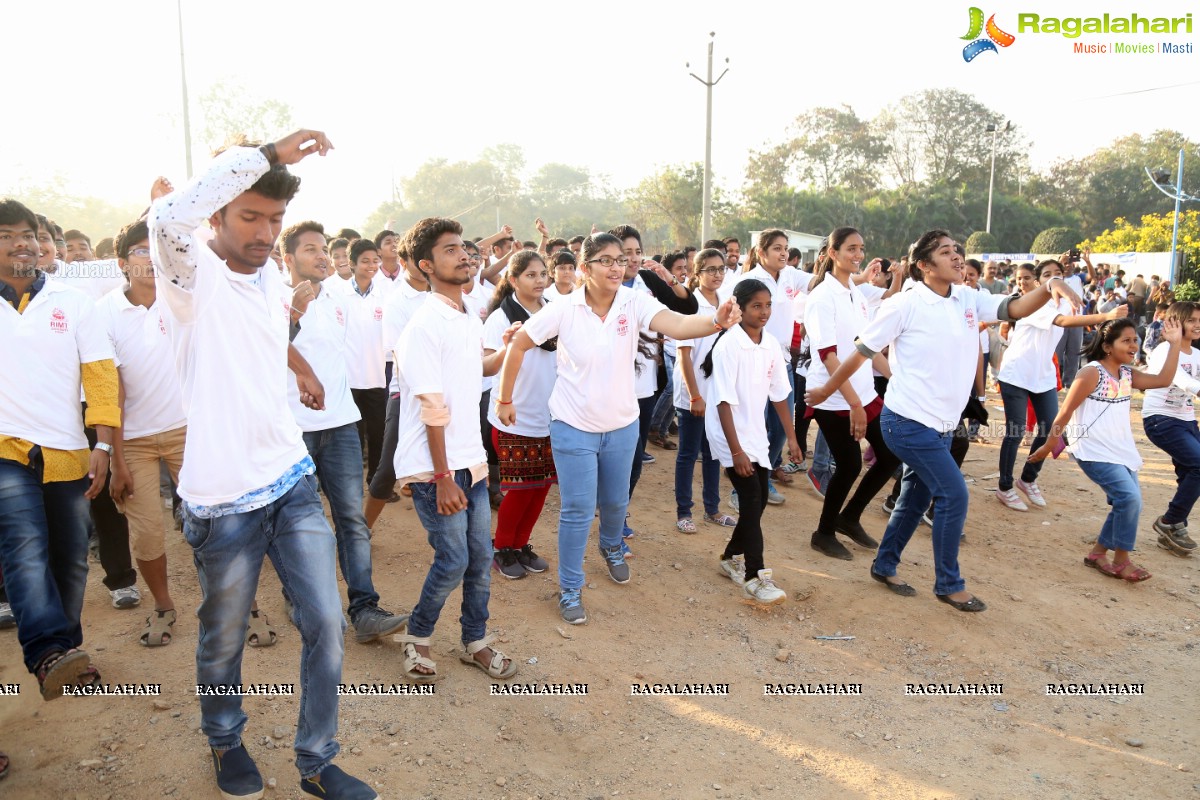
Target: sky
[{"x": 599, "y": 85}]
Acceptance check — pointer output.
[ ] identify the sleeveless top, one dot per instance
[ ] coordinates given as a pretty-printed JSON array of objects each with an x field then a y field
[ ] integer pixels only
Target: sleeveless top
[{"x": 1099, "y": 429}]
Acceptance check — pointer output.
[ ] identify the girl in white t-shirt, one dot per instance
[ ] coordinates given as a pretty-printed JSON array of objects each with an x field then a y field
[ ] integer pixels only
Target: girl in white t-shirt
[
  {"x": 594, "y": 407},
  {"x": 1169, "y": 419},
  {"x": 690, "y": 386},
  {"x": 1097, "y": 408},
  {"x": 1028, "y": 377},
  {"x": 563, "y": 275},
  {"x": 526, "y": 463},
  {"x": 746, "y": 370}
]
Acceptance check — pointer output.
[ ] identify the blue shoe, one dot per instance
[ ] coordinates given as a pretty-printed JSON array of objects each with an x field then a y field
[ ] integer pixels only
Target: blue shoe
[
  {"x": 625, "y": 551},
  {"x": 570, "y": 606},
  {"x": 335, "y": 784},
  {"x": 647, "y": 458},
  {"x": 237, "y": 776},
  {"x": 774, "y": 498}
]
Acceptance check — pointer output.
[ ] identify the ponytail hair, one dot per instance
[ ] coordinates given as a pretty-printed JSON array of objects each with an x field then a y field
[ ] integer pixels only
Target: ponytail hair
[
  {"x": 764, "y": 241},
  {"x": 1108, "y": 333},
  {"x": 922, "y": 250},
  {"x": 698, "y": 261},
  {"x": 517, "y": 265},
  {"x": 825, "y": 262},
  {"x": 742, "y": 294}
]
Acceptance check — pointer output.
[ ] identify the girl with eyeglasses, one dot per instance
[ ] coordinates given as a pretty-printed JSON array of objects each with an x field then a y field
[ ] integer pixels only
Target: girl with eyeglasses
[
  {"x": 690, "y": 390},
  {"x": 593, "y": 406},
  {"x": 1097, "y": 407},
  {"x": 933, "y": 332}
]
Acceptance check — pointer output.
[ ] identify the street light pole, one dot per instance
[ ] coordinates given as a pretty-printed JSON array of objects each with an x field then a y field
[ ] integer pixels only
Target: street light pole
[
  {"x": 1158, "y": 178},
  {"x": 706, "y": 214},
  {"x": 993, "y": 129},
  {"x": 187, "y": 124}
]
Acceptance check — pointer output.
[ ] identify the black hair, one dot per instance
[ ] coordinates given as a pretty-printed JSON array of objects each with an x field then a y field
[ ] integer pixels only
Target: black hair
[
  {"x": 670, "y": 258},
  {"x": 517, "y": 265},
  {"x": 131, "y": 234},
  {"x": 575, "y": 240},
  {"x": 276, "y": 184},
  {"x": 1107, "y": 334},
  {"x": 825, "y": 263},
  {"x": 337, "y": 242},
  {"x": 714, "y": 244},
  {"x": 698, "y": 261},
  {"x": 743, "y": 293},
  {"x": 360, "y": 246},
  {"x": 348, "y": 234},
  {"x": 422, "y": 236},
  {"x": 13, "y": 212},
  {"x": 730, "y": 240},
  {"x": 1043, "y": 264},
  {"x": 383, "y": 234},
  {"x": 287, "y": 239},
  {"x": 595, "y": 243},
  {"x": 624, "y": 232},
  {"x": 556, "y": 243},
  {"x": 75, "y": 234},
  {"x": 922, "y": 250},
  {"x": 529, "y": 245},
  {"x": 562, "y": 258},
  {"x": 765, "y": 239}
]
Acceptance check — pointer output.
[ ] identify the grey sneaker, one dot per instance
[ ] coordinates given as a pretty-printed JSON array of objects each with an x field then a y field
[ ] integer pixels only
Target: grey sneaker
[
  {"x": 618, "y": 570},
  {"x": 774, "y": 498},
  {"x": 505, "y": 562},
  {"x": 1173, "y": 537},
  {"x": 530, "y": 560},
  {"x": 129, "y": 597},
  {"x": 734, "y": 569},
  {"x": 373, "y": 622},
  {"x": 570, "y": 605},
  {"x": 7, "y": 619}
]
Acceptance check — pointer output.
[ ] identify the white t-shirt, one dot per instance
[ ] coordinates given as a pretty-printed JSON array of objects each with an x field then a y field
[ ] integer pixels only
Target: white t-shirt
[
  {"x": 834, "y": 316},
  {"x": 1029, "y": 360},
  {"x": 142, "y": 343},
  {"x": 552, "y": 293},
  {"x": 1176, "y": 399},
  {"x": 745, "y": 375},
  {"x": 1100, "y": 429},
  {"x": 535, "y": 382},
  {"x": 364, "y": 337},
  {"x": 595, "y": 387},
  {"x": 477, "y": 302},
  {"x": 441, "y": 352},
  {"x": 791, "y": 282},
  {"x": 646, "y": 368},
  {"x": 934, "y": 350},
  {"x": 93, "y": 278},
  {"x": 230, "y": 335},
  {"x": 322, "y": 342},
  {"x": 40, "y": 360},
  {"x": 699, "y": 349},
  {"x": 402, "y": 302},
  {"x": 381, "y": 278}
]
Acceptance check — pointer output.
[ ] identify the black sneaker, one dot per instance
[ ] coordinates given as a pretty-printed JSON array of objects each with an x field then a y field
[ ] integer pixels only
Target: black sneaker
[
  {"x": 373, "y": 622},
  {"x": 856, "y": 532},
  {"x": 505, "y": 562},
  {"x": 237, "y": 777},
  {"x": 530, "y": 560},
  {"x": 889, "y": 505},
  {"x": 332, "y": 783},
  {"x": 1174, "y": 537}
]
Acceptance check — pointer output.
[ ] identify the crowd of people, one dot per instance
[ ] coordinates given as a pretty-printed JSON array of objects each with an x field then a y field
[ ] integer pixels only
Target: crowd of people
[{"x": 258, "y": 367}]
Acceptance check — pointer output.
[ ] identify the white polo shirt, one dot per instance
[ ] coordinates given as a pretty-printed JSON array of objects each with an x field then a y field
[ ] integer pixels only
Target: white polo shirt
[
  {"x": 146, "y": 360},
  {"x": 790, "y": 283},
  {"x": 322, "y": 342},
  {"x": 595, "y": 387},
  {"x": 552, "y": 293},
  {"x": 1029, "y": 360},
  {"x": 401, "y": 304},
  {"x": 477, "y": 302},
  {"x": 934, "y": 350},
  {"x": 94, "y": 278},
  {"x": 645, "y": 380},
  {"x": 364, "y": 337},
  {"x": 535, "y": 382},
  {"x": 834, "y": 316},
  {"x": 699, "y": 351},
  {"x": 1176, "y": 399},
  {"x": 745, "y": 375},
  {"x": 441, "y": 352},
  {"x": 40, "y": 363}
]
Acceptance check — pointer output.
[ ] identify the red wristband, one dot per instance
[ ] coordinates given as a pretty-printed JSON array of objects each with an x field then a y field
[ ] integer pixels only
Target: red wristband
[
  {"x": 504, "y": 402},
  {"x": 437, "y": 476}
]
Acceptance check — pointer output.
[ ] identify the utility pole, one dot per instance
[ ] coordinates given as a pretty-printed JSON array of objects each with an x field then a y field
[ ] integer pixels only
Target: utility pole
[
  {"x": 706, "y": 219},
  {"x": 187, "y": 123},
  {"x": 994, "y": 129},
  {"x": 1161, "y": 178}
]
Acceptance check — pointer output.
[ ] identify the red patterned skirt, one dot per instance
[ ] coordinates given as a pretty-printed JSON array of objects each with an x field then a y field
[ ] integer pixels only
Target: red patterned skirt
[{"x": 525, "y": 463}]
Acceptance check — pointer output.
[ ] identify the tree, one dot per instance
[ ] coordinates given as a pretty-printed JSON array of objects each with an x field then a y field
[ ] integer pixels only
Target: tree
[
  {"x": 827, "y": 147},
  {"x": 1152, "y": 235},
  {"x": 981, "y": 242},
  {"x": 96, "y": 217},
  {"x": 1055, "y": 240},
  {"x": 666, "y": 207},
  {"x": 227, "y": 110}
]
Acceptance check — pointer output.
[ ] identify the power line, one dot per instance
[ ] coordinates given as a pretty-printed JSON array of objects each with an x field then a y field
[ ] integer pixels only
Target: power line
[{"x": 1143, "y": 91}]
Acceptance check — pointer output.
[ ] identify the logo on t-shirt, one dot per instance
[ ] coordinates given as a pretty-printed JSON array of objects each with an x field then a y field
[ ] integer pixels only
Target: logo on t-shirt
[
  {"x": 622, "y": 325},
  {"x": 58, "y": 321},
  {"x": 287, "y": 309},
  {"x": 378, "y": 313},
  {"x": 341, "y": 320},
  {"x": 162, "y": 328},
  {"x": 970, "y": 317}
]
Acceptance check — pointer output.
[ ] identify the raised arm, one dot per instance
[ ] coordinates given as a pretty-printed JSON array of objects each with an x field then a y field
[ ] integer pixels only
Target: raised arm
[{"x": 696, "y": 326}]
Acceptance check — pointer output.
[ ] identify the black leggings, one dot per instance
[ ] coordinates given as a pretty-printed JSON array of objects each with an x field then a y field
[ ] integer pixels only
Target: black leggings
[
  {"x": 800, "y": 420},
  {"x": 747, "y": 539},
  {"x": 847, "y": 454},
  {"x": 372, "y": 407}
]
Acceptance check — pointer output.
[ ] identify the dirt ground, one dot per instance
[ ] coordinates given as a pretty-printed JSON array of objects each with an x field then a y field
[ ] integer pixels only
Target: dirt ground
[{"x": 1050, "y": 620}]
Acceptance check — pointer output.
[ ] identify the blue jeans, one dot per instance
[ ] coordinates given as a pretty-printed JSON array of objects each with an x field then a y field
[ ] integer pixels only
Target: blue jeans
[
  {"x": 593, "y": 471},
  {"x": 930, "y": 472},
  {"x": 1067, "y": 351},
  {"x": 1016, "y": 401},
  {"x": 1181, "y": 441},
  {"x": 228, "y": 552},
  {"x": 1120, "y": 485},
  {"x": 822, "y": 460},
  {"x": 43, "y": 555},
  {"x": 776, "y": 432},
  {"x": 693, "y": 442},
  {"x": 664, "y": 410},
  {"x": 338, "y": 456},
  {"x": 462, "y": 554}
]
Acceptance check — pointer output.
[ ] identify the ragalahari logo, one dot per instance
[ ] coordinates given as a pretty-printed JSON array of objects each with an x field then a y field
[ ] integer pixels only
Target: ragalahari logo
[{"x": 995, "y": 36}]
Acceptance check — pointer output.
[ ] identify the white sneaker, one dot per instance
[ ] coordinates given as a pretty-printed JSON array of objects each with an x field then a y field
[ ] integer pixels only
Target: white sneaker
[
  {"x": 8, "y": 620},
  {"x": 734, "y": 569},
  {"x": 1011, "y": 500},
  {"x": 1031, "y": 491},
  {"x": 128, "y": 597},
  {"x": 763, "y": 590}
]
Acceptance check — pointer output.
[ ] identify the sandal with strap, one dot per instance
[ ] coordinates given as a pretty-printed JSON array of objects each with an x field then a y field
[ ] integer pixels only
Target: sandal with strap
[
  {"x": 4, "y": 765},
  {"x": 259, "y": 632},
  {"x": 158, "y": 629},
  {"x": 722, "y": 520},
  {"x": 59, "y": 669},
  {"x": 413, "y": 659},
  {"x": 685, "y": 525},
  {"x": 1100, "y": 563},
  {"x": 1136, "y": 576},
  {"x": 495, "y": 668}
]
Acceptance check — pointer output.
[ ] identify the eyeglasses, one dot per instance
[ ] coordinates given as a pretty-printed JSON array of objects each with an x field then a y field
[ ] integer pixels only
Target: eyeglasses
[
  {"x": 608, "y": 262},
  {"x": 712, "y": 270},
  {"x": 140, "y": 252},
  {"x": 475, "y": 259}
]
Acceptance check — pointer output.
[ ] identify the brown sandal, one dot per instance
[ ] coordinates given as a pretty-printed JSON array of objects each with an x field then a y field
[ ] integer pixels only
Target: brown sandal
[
  {"x": 1136, "y": 576},
  {"x": 1100, "y": 562},
  {"x": 63, "y": 668}
]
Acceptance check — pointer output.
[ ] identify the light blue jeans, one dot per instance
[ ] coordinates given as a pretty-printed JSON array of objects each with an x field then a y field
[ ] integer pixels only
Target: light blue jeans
[
  {"x": 593, "y": 471},
  {"x": 1120, "y": 485},
  {"x": 930, "y": 472},
  {"x": 462, "y": 554},
  {"x": 228, "y": 552}
]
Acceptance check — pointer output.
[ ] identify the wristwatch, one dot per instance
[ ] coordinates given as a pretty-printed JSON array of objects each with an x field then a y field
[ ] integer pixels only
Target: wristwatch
[{"x": 104, "y": 447}]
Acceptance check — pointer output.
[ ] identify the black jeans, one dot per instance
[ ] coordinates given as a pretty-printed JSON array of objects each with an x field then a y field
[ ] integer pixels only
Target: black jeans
[
  {"x": 112, "y": 533},
  {"x": 747, "y": 539},
  {"x": 847, "y": 453},
  {"x": 372, "y": 405},
  {"x": 799, "y": 419},
  {"x": 383, "y": 482}
]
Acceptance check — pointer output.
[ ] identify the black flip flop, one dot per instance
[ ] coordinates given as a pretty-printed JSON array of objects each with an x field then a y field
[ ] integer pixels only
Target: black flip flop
[
  {"x": 974, "y": 604},
  {"x": 902, "y": 589}
]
